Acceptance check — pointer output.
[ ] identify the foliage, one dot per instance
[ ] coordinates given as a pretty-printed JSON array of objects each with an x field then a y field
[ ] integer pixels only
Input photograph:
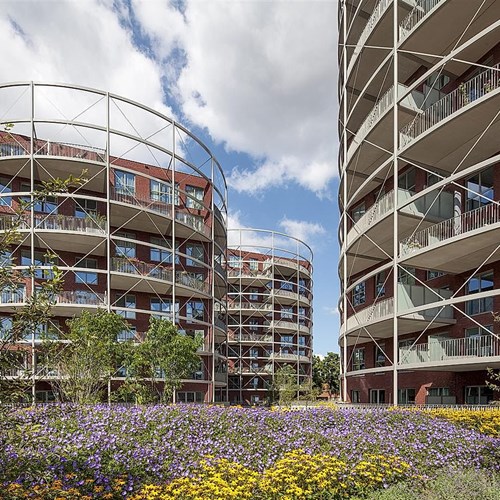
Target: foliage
[
  {"x": 493, "y": 381},
  {"x": 156, "y": 366},
  {"x": 326, "y": 370},
  {"x": 285, "y": 385},
  {"x": 285, "y": 454},
  {"x": 37, "y": 309},
  {"x": 88, "y": 358},
  {"x": 468, "y": 484}
]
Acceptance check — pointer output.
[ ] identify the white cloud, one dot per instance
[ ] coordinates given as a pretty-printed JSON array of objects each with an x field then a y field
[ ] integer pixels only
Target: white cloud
[
  {"x": 334, "y": 310},
  {"x": 302, "y": 230},
  {"x": 260, "y": 77}
]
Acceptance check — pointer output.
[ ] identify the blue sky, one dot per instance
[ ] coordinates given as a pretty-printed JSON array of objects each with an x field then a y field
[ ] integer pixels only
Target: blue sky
[{"x": 254, "y": 79}]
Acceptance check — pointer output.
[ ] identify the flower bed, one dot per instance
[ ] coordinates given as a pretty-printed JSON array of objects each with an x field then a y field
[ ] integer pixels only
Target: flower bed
[{"x": 205, "y": 452}]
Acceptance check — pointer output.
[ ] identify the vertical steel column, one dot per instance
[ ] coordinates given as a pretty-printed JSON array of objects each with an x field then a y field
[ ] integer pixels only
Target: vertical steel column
[{"x": 32, "y": 236}]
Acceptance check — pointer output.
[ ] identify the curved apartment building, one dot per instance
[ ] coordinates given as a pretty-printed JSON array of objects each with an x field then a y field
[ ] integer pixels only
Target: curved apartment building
[
  {"x": 145, "y": 235},
  {"x": 419, "y": 92},
  {"x": 269, "y": 312}
]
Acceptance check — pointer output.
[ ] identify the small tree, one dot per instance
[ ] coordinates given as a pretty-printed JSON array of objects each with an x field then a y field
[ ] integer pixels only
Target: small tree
[
  {"x": 87, "y": 359},
  {"x": 285, "y": 385},
  {"x": 327, "y": 371},
  {"x": 156, "y": 366}
]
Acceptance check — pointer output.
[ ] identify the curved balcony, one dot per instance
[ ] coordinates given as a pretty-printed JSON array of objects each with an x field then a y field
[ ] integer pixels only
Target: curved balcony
[
  {"x": 146, "y": 277},
  {"x": 249, "y": 307},
  {"x": 252, "y": 338},
  {"x": 372, "y": 233},
  {"x": 433, "y": 26},
  {"x": 461, "y": 242},
  {"x": 459, "y": 129},
  {"x": 249, "y": 275},
  {"x": 377, "y": 318},
  {"x": 462, "y": 354},
  {"x": 71, "y": 302},
  {"x": 286, "y": 266},
  {"x": 374, "y": 139}
]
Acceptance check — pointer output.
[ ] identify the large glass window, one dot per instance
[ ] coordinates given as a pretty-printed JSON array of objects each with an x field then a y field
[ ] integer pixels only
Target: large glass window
[
  {"x": 124, "y": 183},
  {"x": 85, "y": 208},
  {"x": 406, "y": 180},
  {"x": 40, "y": 259},
  {"x": 359, "y": 294},
  {"x": 126, "y": 302},
  {"x": 195, "y": 253},
  {"x": 377, "y": 396},
  {"x": 235, "y": 261},
  {"x": 286, "y": 312},
  {"x": 5, "y": 189},
  {"x": 253, "y": 294},
  {"x": 162, "y": 191},
  {"x": 406, "y": 396},
  {"x": 87, "y": 277},
  {"x": 406, "y": 275},
  {"x": 195, "y": 310},
  {"x": 286, "y": 340},
  {"x": 379, "y": 355},
  {"x": 358, "y": 212},
  {"x": 47, "y": 205},
  {"x": 253, "y": 264},
  {"x": 194, "y": 197},
  {"x": 480, "y": 189},
  {"x": 358, "y": 359},
  {"x": 125, "y": 248},
  {"x": 478, "y": 395},
  {"x": 380, "y": 284},
  {"x": 480, "y": 283}
]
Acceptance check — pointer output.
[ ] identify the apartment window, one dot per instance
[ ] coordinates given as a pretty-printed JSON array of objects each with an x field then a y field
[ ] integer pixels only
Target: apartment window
[
  {"x": 40, "y": 260},
  {"x": 254, "y": 352},
  {"x": 404, "y": 345},
  {"x": 286, "y": 340},
  {"x": 254, "y": 383},
  {"x": 47, "y": 205},
  {"x": 189, "y": 397},
  {"x": 253, "y": 265},
  {"x": 434, "y": 274},
  {"x": 5, "y": 327},
  {"x": 5, "y": 258},
  {"x": 406, "y": 275},
  {"x": 302, "y": 315},
  {"x": 195, "y": 253},
  {"x": 164, "y": 306},
  {"x": 125, "y": 303},
  {"x": 286, "y": 285},
  {"x": 302, "y": 287},
  {"x": 85, "y": 208},
  {"x": 195, "y": 310},
  {"x": 302, "y": 340},
  {"x": 407, "y": 180},
  {"x": 379, "y": 355},
  {"x": 235, "y": 262},
  {"x": 253, "y": 325},
  {"x": 480, "y": 190},
  {"x": 480, "y": 283},
  {"x": 194, "y": 197},
  {"x": 5, "y": 189},
  {"x": 478, "y": 395},
  {"x": 127, "y": 334},
  {"x": 359, "y": 294},
  {"x": 125, "y": 248},
  {"x": 358, "y": 359},
  {"x": 377, "y": 396},
  {"x": 438, "y": 391},
  {"x": 124, "y": 183},
  {"x": 87, "y": 277},
  {"x": 355, "y": 397},
  {"x": 253, "y": 294},
  {"x": 380, "y": 284},
  {"x": 432, "y": 178},
  {"x": 234, "y": 382},
  {"x": 358, "y": 212},
  {"x": 406, "y": 396},
  {"x": 286, "y": 312}
]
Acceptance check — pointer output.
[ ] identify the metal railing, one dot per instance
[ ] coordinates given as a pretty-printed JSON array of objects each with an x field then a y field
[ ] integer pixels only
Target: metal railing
[
  {"x": 194, "y": 222},
  {"x": 90, "y": 153},
  {"x": 293, "y": 263},
  {"x": 69, "y": 223},
  {"x": 143, "y": 202},
  {"x": 382, "y": 105},
  {"x": 465, "y": 94},
  {"x": 81, "y": 297},
  {"x": 253, "y": 337},
  {"x": 284, "y": 293},
  {"x": 421, "y": 10},
  {"x": 12, "y": 148},
  {"x": 17, "y": 296},
  {"x": 192, "y": 281},
  {"x": 484, "y": 346},
  {"x": 141, "y": 269},
  {"x": 379, "y": 310},
  {"x": 461, "y": 224},
  {"x": 251, "y": 273},
  {"x": 254, "y": 306}
]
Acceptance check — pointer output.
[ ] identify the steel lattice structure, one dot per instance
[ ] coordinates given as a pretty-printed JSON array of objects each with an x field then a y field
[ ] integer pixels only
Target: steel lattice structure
[
  {"x": 419, "y": 92},
  {"x": 269, "y": 312},
  {"x": 144, "y": 235}
]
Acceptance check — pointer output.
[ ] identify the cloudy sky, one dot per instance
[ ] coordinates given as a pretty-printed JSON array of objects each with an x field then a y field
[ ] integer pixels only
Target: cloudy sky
[{"x": 254, "y": 79}]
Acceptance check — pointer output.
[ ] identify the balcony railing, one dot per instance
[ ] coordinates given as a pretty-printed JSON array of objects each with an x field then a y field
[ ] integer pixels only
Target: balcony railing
[
  {"x": 456, "y": 226},
  {"x": 81, "y": 297},
  {"x": 421, "y": 10},
  {"x": 253, "y": 338},
  {"x": 190, "y": 280},
  {"x": 140, "y": 268},
  {"x": 377, "y": 311},
  {"x": 292, "y": 263},
  {"x": 485, "y": 346},
  {"x": 12, "y": 148},
  {"x": 250, "y": 273},
  {"x": 465, "y": 94},
  {"x": 61, "y": 222},
  {"x": 285, "y": 293},
  {"x": 254, "y": 306},
  {"x": 377, "y": 13},
  {"x": 71, "y": 151},
  {"x": 193, "y": 222},
  {"x": 17, "y": 296},
  {"x": 142, "y": 202}
]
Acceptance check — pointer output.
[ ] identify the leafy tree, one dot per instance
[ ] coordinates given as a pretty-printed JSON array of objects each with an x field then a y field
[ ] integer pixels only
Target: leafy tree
[
  {"x": 326, "y": 370},
  {"x": 285, "y": 385},
  {"x": 15, "y": 379},
  {"x": 156, "y": 366},
  {"x": 87, "y": 359}
]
